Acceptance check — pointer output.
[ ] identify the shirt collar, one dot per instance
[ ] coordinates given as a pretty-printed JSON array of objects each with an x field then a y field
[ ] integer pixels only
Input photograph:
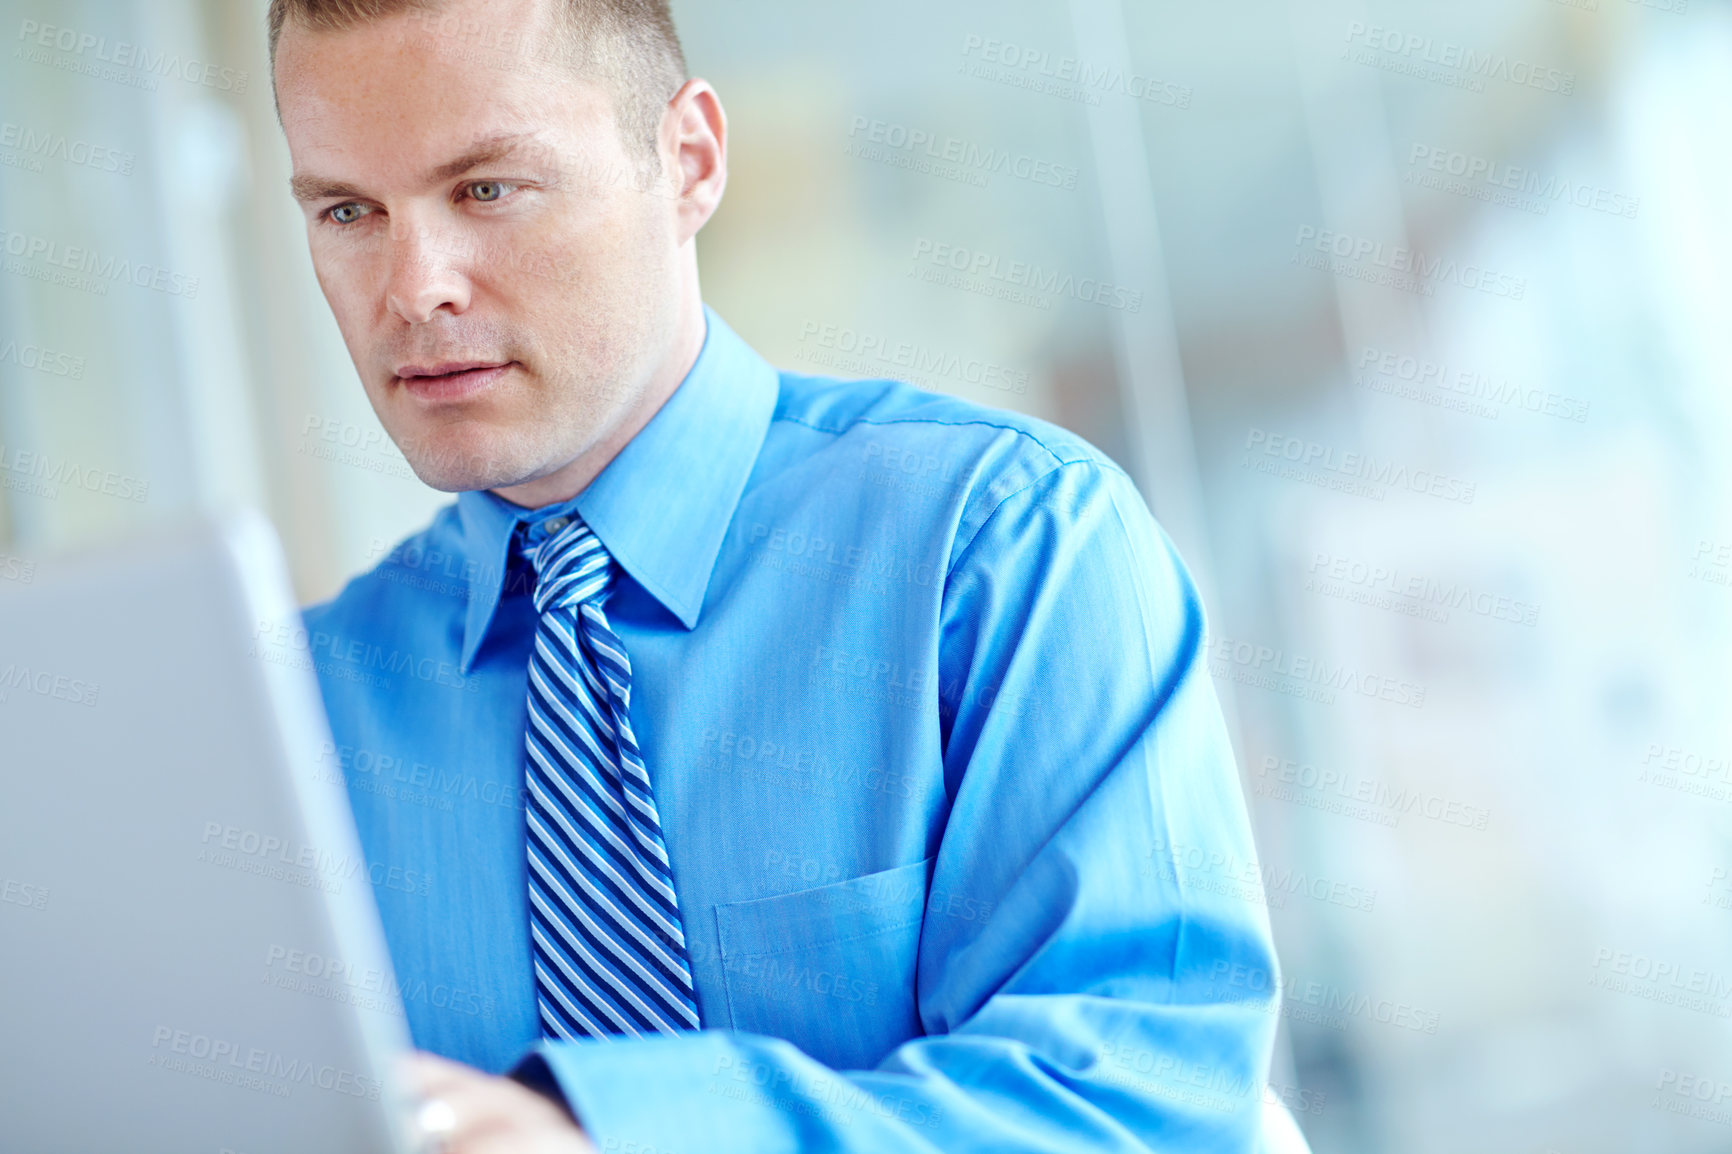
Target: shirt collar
[{"x": 662, "y": 506}]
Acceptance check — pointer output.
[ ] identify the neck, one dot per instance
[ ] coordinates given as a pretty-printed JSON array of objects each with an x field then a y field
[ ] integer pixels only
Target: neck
[{"x": 682, "y": 352}]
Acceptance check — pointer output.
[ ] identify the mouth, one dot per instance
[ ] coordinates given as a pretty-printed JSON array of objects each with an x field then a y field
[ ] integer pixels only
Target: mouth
[{"x": 450, "y": 380}]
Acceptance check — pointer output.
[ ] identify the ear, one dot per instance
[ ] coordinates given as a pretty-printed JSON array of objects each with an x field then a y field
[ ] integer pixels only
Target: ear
[{"x": 694, "y": 146}]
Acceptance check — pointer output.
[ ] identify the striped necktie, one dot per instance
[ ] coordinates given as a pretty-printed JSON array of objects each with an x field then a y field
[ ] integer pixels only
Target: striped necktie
[{"x": 610, "y": 952}]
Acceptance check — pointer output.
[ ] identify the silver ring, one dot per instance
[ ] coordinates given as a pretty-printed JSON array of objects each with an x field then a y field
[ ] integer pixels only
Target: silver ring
[{"x": 436, "y": 1121}]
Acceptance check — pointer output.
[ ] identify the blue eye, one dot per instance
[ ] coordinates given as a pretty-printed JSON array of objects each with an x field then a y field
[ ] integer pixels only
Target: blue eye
[
  {"x": 347, "y": 213},
  {"x": 486, "y": 190}
]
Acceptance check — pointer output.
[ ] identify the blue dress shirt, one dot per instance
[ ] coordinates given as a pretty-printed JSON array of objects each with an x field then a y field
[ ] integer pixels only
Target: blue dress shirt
[{"x": 955, "y": 826}]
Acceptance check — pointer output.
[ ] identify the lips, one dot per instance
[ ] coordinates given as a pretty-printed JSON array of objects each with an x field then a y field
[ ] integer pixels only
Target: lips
[{"x": 451, "y": 380}]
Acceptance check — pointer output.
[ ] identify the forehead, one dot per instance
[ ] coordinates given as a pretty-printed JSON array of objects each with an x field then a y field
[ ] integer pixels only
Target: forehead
[{"x": 416, "y": 85}]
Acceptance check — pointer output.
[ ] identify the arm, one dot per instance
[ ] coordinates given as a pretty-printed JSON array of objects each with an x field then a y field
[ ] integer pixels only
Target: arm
[{"x": 1089, "y": 926}]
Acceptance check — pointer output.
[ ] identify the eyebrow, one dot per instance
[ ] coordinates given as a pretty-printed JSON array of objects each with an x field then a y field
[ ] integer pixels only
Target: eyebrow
[{"x": 484, "y": 151}]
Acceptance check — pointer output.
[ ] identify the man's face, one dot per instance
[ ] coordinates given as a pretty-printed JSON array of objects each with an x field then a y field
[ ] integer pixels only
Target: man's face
[{"x": 504, "y": 284}]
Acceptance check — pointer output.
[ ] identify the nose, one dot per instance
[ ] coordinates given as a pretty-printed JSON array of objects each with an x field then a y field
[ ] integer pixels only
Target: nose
[{"x": 427, "y": 272}]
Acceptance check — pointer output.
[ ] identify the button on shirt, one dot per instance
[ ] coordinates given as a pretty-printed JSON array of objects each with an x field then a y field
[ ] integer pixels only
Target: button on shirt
[{"x": 955, "y": 828}]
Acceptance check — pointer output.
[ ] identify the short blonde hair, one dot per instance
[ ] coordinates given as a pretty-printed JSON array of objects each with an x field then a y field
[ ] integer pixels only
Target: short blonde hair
[{"x": 631, "y": 43}]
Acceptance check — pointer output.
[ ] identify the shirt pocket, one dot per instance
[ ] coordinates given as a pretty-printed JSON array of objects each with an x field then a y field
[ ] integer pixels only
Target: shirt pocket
[{"x": 830, "y": 969}]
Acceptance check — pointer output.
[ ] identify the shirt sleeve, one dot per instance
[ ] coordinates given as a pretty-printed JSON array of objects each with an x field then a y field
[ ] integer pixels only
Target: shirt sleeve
[{"x": 1095, "y": 968}]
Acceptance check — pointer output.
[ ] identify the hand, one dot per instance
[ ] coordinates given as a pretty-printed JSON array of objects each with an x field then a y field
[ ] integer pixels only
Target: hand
[{"x": 493, "y": 1115}]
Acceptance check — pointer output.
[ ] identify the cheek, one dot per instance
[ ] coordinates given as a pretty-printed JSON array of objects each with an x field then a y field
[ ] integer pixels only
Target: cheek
[
  {"x": 619, "y": 242},
  {"x": 346, "y": 278},
  {"x": 560, "y": 286}
]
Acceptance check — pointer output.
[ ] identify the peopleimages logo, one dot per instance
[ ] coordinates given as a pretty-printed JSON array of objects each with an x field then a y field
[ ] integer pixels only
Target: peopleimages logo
[
  {"x": 1337, "y": 576},
  {"x": 1334, "y": 1003},
  {"x": 913, "y": 147},
  {"x": 1693, "y": 1095},
  {"x": 850, "y": 350},
  {"x": 42, "y": 475},
  {"x": 1299, "y": 675},
  {"x": 222, "y": 1060},
  {"x": 1471, "y": 67},
  {"x": 1674, "y": 983},
  {"x": 1069, "y": 77},
  {"x": 83, "y": 263},
  {"x": 1402, "y": 261},
  {"x": 46, "y": 683},
  {"x": 43, "y": 144},
  {"x": 43, "y": 360},
  {"x": 1497, "y": 181},
  {"x": 985, "y": 272},
  {"x": 350, "y": 658},
  {"x": 1359, "y": 473},
  {"x": 1253, "y": 880},
  {"x": 1361, "y": 797},
  {"x": 89, "y": 50},
  {"x": 1402, "y": 374}
]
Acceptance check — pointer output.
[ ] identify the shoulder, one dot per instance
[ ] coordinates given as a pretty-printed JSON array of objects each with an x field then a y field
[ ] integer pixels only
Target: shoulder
[
  {"x": 423, "y": 573},
  {"x": 893, "y": 413},
  {"x": 953, "y": 456}
]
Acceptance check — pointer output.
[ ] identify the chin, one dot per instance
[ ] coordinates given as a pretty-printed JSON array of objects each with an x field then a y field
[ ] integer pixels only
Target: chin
[
  {"x": 458, "y": 466},
  {"x": 454, "y": 480}
]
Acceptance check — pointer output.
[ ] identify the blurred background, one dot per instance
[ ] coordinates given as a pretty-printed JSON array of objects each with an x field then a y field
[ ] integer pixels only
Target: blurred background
[{"x": 1410, "y": 318}]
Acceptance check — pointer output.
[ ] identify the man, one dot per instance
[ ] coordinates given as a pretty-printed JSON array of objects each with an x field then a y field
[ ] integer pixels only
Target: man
[{"x": 752, "y": 761}]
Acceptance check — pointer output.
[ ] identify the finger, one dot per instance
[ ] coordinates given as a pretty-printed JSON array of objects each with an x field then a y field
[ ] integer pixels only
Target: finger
[
  {"x": 479, "y": 1108},
  {"x": 457, "y": 1101},
  {"x": 565, "y": 1139},
  {"x": 572, "y": 1142},
  {"x": 431, "y": 1075},
  {"x": 485, "y": 1105},
  {"x": 477, "y": 1113}
]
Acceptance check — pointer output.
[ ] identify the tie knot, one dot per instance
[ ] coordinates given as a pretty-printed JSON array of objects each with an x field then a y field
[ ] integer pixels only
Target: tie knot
[{"x": 571, "y": 565}]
